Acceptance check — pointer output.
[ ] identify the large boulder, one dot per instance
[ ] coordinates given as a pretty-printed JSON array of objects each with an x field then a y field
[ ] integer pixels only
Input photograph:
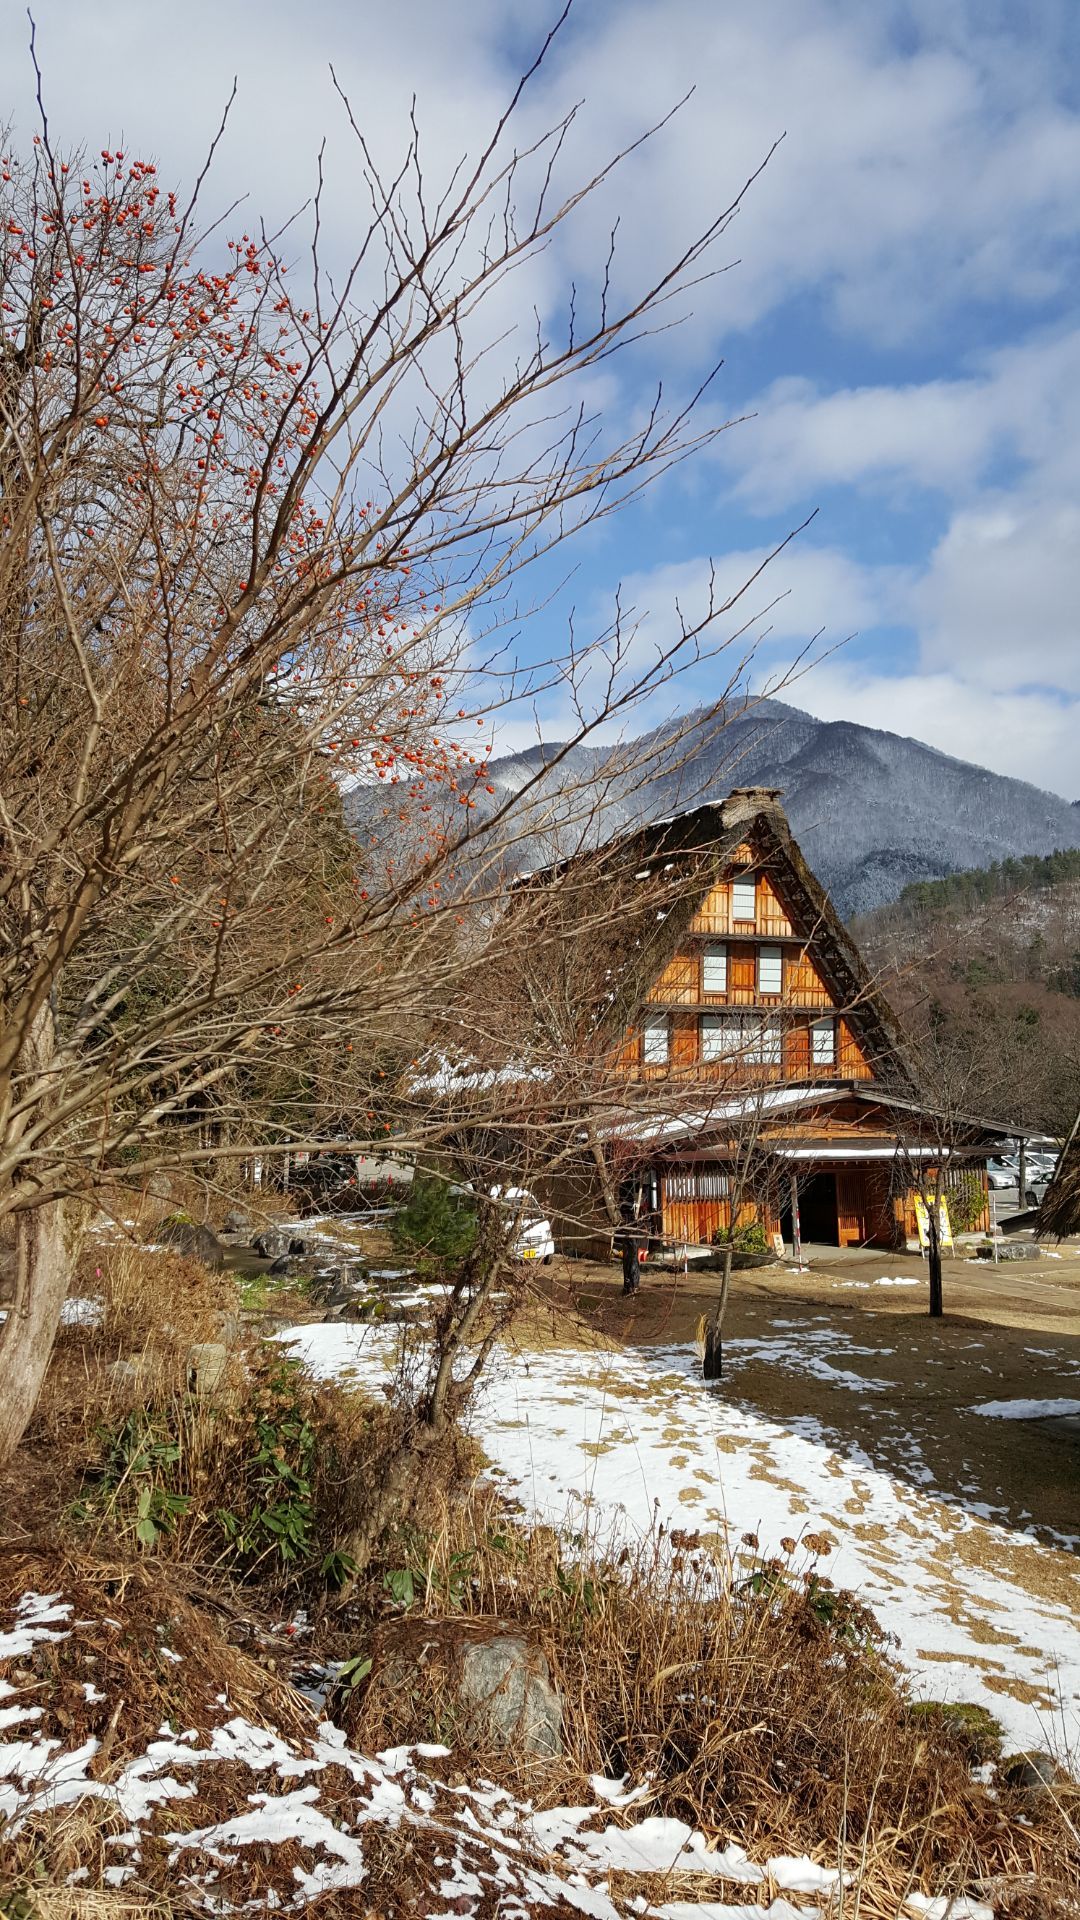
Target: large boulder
[
  {"x": 190, "y": 1237},
  {"x": 277, "y": 1243},
  {"x": 485, "y": 1676}
]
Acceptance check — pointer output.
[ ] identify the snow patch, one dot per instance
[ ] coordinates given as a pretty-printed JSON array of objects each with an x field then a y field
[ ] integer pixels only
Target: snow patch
[{"x": 1028, "y": 1409}]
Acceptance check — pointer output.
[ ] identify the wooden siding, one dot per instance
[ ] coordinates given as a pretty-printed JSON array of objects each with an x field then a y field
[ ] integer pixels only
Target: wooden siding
[
  {"x": 851, "y": 1061},
  {"x": 694, "y": 1217},
  {"x": 771, "y": 917},
  {"x": 804, "y": 996},
  {"x": 714, "y": 914},
  {"x": 904, "y": 1205},
  {"x": 803, "y": 984},
  {"x": 865, "y": 1214},
  {"x": 680, "y": 982},
  {"x": 741, "y": 974}
]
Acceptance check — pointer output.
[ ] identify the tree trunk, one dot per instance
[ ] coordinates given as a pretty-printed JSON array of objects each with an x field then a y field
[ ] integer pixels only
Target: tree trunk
[
  {"x": 933, "y": 1257},
  {"x": 607, "y": 1186},
  {"x": 1023, "y": 1174},
  {"x": 438, "y": 1411},
  {"x": 713, "y": 1364},
  {"x": 42, "y": 1268}
]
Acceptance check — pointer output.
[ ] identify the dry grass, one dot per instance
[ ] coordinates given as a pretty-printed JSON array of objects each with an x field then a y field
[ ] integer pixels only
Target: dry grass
[
  {"x": 761, "y": 1704},
  {"x": 51, "y": 1902},
  {"x": 758, "y": 1704}
]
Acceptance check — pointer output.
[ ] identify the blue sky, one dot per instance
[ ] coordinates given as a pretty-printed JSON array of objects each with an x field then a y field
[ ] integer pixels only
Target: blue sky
[{"x": 903, "y": 321}]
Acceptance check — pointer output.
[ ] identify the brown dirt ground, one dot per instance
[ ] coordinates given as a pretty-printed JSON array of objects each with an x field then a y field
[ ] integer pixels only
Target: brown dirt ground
[{"x": 1009, "y": 1333}]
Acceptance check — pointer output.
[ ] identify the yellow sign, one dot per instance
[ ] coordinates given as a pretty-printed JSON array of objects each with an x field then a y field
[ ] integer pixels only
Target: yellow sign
[{"x": 922, "y": 1215}]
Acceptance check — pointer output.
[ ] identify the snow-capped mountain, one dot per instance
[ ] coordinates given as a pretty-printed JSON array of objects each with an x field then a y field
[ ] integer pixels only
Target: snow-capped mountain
[{"x": 871, "y": 810}]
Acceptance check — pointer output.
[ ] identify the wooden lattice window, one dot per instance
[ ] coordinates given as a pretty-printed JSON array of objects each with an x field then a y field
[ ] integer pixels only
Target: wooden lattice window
[
  {"x": 714, "y": 969},
  {"x": 823, "y": 1043},
  {"x": 744, "y": 900},
  {"x": 656, "y": 1041},
  {"x": 770, "y": 970}
]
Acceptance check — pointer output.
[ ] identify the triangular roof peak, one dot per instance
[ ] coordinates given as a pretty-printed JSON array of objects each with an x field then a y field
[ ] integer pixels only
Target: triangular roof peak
[
  {"x": 716, "y": 830},
  {"x": 743, "y": 803}
]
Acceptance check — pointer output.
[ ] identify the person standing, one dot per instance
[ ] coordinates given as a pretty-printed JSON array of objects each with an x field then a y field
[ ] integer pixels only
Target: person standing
[{"x": 631, "y": 1261}]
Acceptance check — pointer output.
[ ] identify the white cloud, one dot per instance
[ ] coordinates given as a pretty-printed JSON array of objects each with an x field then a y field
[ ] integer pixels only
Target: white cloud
[
  {"x": 931, "y": 160},
  {"x": 915, "y": 173},
  {"x": 999, "y": 602},
  {"x": 909, "y": 180},
  {"x": 799, "y": 592},
  {"x": 1022, "y": 403}
]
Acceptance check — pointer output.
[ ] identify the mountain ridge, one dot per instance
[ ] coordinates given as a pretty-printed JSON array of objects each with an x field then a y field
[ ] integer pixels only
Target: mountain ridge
[{"x": 872, "y": 810}]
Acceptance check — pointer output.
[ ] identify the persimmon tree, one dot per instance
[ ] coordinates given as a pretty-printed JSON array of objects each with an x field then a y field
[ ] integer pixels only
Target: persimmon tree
[{"x": 251, "y": 539}]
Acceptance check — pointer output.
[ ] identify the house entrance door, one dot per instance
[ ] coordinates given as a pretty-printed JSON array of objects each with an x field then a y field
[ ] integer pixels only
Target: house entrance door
[{"x": 818, "y": 1220}]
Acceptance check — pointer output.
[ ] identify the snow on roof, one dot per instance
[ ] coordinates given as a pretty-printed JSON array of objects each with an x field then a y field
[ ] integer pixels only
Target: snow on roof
[
  {"x": 461, "y": 1077},
  {"x": 766, "y": 1100}
]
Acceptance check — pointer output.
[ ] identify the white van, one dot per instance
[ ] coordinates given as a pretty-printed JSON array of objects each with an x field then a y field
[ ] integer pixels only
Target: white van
[{"x": 534, "y": 1239}]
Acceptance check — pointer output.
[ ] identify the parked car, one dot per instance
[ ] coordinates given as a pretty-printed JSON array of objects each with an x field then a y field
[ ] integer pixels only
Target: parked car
[
  {"x": 999, "y": 1176},
  {"x": 534, "y": 1239}
]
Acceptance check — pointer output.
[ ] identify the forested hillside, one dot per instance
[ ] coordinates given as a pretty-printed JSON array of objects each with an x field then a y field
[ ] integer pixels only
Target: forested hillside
[{"x": 985, "y": 964}]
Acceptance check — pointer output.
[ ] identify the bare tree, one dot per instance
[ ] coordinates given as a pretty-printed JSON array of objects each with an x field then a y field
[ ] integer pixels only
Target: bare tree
[
  {"x": 251, "y": 540},
  {"x": 934, "y": 1134}
]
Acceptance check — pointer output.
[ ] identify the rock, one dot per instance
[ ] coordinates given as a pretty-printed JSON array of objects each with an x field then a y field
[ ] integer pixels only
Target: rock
[
  {"x": 1032, "y": 1772},
  {"x": 499, "y": 1677},
  {"x": 189, "y": 1237},
  {"x": 276, "y": 1242},
  {"x": 507, "y": 1683},
  {"x": 280, "y": 1267},
  {"x": 236, "y": 1222},
  {"x": 206, "y": 1367}
]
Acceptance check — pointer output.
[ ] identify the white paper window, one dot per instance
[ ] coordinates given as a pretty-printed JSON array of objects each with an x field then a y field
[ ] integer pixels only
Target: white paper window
[
  {"x": 655, "y": 1044},
  {"x": 823, "y": 1043},
  {"x": 714, "y": 970},
  {"x": 720, "y": 1036},
  {"x": 770, "y": 970},
  {"x": 765, "y": 1044},
  {"x": 743, "y": 900}
]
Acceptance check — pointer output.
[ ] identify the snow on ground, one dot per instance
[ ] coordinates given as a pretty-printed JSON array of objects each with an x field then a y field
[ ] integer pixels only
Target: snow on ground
[
  {"x": 320, "y": 1796},
  {"x": 1028, "y": 1409},
  {"x": 888, "y": 1280},
  {"x": 621, "y": 1441}
]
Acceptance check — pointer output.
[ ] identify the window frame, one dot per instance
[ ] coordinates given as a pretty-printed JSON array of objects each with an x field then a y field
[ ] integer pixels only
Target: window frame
[
  {"x": 827, "y": 1025},
  {"x": 714, "y": 950},
  {"x": 772, "y": 953},
  {"x": 656, "y": 1025},
  {"x": 744, "y": 919},
  {"x": 759, "y": 1036},
  {"x": 721, "y": 1023}
]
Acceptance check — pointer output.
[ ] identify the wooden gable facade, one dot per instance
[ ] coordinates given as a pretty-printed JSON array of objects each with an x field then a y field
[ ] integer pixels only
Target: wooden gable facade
[
  {"x": 749, "y": 1009},
  {"x": 743, "y": 994}
]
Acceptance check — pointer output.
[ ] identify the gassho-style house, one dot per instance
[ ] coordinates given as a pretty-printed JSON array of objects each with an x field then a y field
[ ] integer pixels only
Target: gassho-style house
[{"x": 754, "y": 1033}]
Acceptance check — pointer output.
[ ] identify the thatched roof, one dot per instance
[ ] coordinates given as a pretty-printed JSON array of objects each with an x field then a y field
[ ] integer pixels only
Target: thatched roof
[
  {"x": 706, "y": 838},
  {"x": 1059, "y": 1213}
]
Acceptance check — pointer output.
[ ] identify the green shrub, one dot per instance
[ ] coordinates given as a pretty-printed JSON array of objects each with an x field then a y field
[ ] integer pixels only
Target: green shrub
[
  {"x": 965, "y": 1203},
  {"x": 750, "y": 1237},
  {"x": 435, "y": 1229}
]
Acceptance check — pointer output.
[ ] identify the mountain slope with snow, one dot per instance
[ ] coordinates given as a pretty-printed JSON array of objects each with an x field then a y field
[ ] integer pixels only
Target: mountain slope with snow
[{"x": 872, "y": 811}]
